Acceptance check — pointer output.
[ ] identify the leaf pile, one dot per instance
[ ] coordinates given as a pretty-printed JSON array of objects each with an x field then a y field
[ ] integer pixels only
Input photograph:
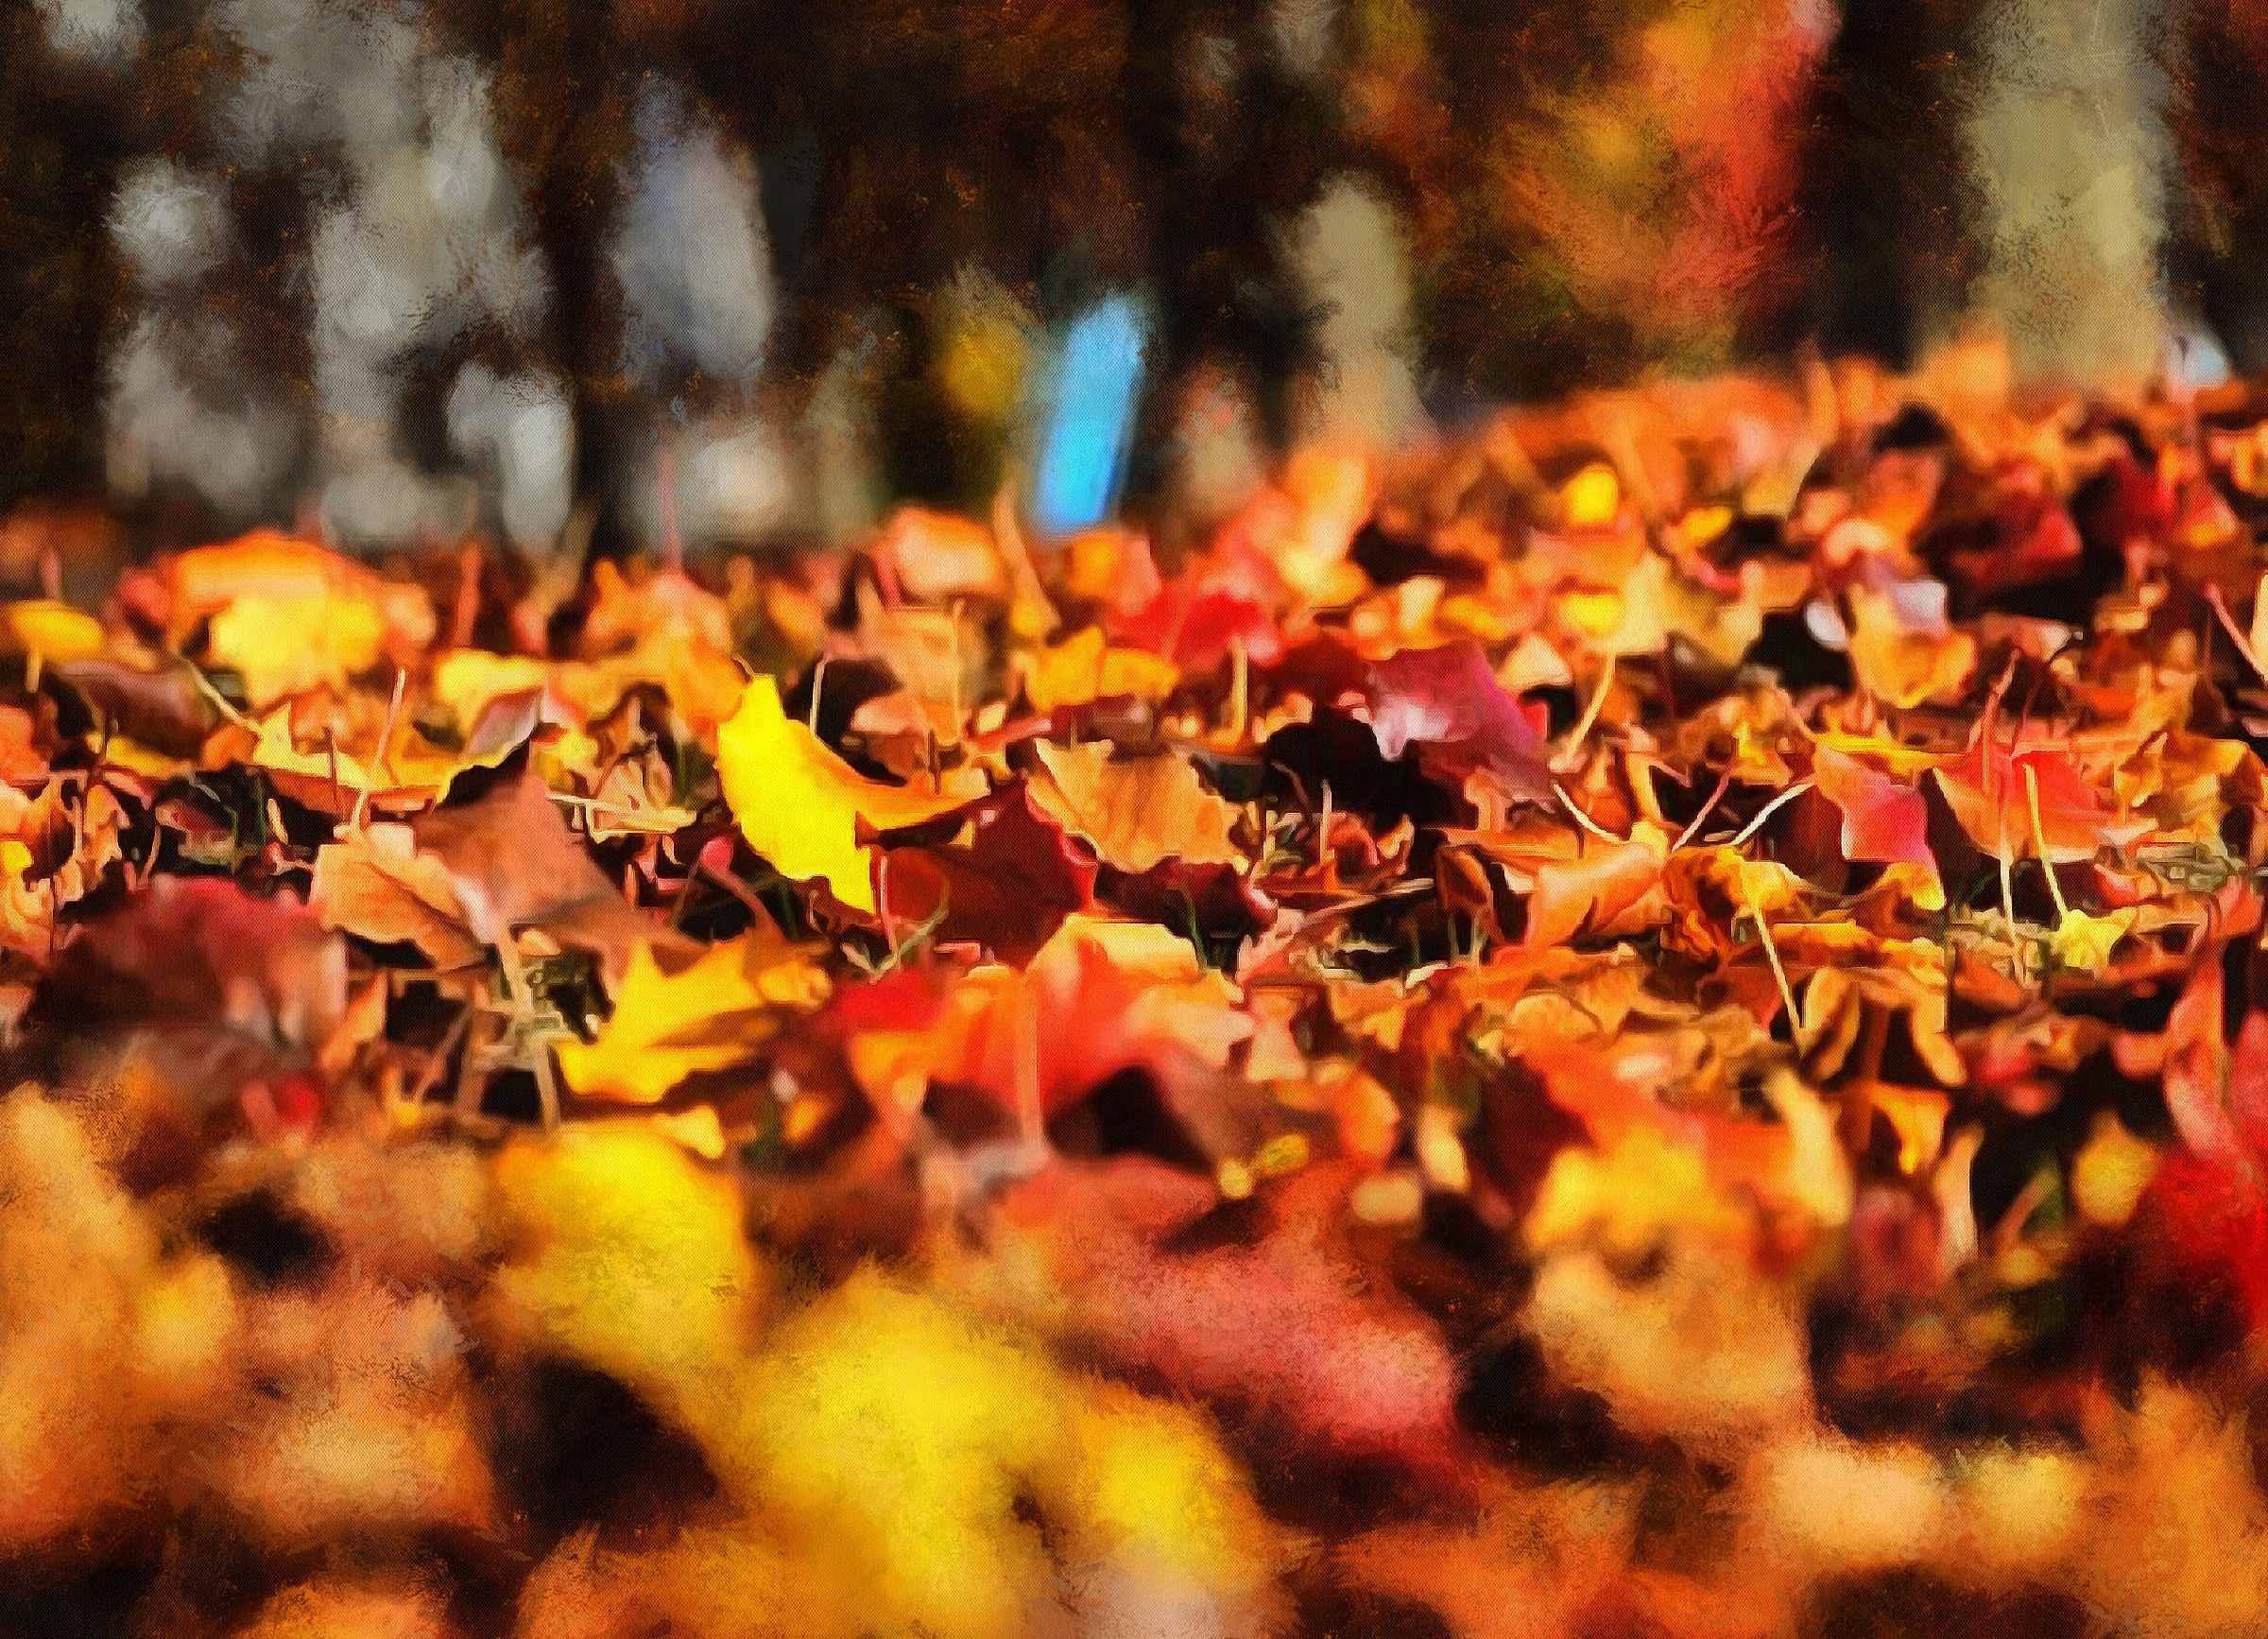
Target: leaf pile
[{"x": 1652, "y": 1021}]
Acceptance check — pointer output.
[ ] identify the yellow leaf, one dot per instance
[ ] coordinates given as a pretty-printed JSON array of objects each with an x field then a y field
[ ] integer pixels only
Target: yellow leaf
[
  {"x": 904, "y": 1429},
  {"x": 1703, "y": 525},
  {"x": 699, "y": 1130},
  {"x": 131, "y": 755},
  {"x": 329, "y": 778},
  {"x": 285, "y": 645},
  {"x": 1084, "y": 667},
  {"x": 707, "y": 1016},
  {"x": 1905, "y": 663},
  {"x": 54, "y": 631},
  {"x": 1627, "y": 1195},
  {"x": 799, "y": 805},
  {"x": 1150, "y": 1478},
  {"x": 1592, "y": 497},
  {"x": 629, "y": 1257},
  {"x": 466, "y": 680},
  {"x": 1895, "y": 756},
  {"x": 2111, "y": 1172},
  {"x": 2081, "y": 942},
  {"x": 275, "y": 749},
  {"x": 1916, "y": 1115}
]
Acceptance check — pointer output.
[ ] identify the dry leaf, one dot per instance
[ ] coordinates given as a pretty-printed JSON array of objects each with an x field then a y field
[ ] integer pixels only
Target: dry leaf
[{"x": 1137, "y": 812}]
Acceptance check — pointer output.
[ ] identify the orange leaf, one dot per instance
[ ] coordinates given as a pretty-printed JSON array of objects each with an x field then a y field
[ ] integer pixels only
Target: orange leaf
[{"x": 1138, "y": 812}]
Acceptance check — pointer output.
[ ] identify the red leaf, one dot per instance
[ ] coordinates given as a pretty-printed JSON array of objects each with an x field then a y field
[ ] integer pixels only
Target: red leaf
[
  {"x": 1008, "y": 888},
  {"x": 1448, "y": 698},
  {"x": 1884, "y": 819},
  {"x": 1990, "y": 795}
]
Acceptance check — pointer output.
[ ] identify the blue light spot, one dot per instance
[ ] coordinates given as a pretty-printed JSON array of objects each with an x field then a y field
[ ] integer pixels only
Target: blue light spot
[{"x": 1088, "y": 423}]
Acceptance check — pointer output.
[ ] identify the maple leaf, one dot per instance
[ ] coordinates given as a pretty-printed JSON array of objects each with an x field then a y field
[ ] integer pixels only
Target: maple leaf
[
  {"x": 935, "y": 556},
  {"x": 801, "y": 806},
  {"x": 2081, "y": 942},
  {"x": 266, "y": 565},
  {"x": 1795, "y": 1160},
  {"x": 334, "y": 780},
  {"x": 1902, "y": 648},
  {"x": 1447, "y": 700},
  {"x": 1221, "y": 601},
  {"x": 664, "y": 629},
  {"x": 50, "y": 630},
  {"x": 286, "y": 615},
  {"x": 1137, "y": 812},
  {"x": 1099, "y": 997},
  {"x": 710, "y": 1014},
  {"x": 284, "y": 646},
  {"x": 512, "y": 863},
  {"x": 1590, "y": 891},
  {"x": 374, "y": 884}
]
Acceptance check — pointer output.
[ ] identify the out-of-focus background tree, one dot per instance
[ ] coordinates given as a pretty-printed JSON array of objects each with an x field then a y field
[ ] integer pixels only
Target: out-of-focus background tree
[{"x": 401, "y": 268}]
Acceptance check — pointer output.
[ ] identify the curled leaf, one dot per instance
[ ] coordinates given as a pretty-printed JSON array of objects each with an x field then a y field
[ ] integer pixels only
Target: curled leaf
[{"x": 801, "y": 806}]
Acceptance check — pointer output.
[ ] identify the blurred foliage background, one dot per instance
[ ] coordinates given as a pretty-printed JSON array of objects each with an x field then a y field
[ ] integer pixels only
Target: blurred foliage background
[{"x": 399, "y": 269}]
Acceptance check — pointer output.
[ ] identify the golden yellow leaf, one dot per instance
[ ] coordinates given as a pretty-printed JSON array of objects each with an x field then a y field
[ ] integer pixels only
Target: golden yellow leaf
[
  {"x": 709, "y": 1016},
  {"x": 284, "y": 646},
  {"x": 329, "y": 777},
  {"x": 1916, "y": 1115},
  {"x": 1905, "y": 662},
  {"x": 1084, "y": 667},
  {"x": 2111, "y": 1172},
  {"x": 1627, "y": 1195},
  {"x": 1592, "y": 497},
  {"x": 596, "y": 1212},
  {"x": 466, "y": 680},
  {"x": 54, "y": 631},
  {"x": 800, "y": 806}
]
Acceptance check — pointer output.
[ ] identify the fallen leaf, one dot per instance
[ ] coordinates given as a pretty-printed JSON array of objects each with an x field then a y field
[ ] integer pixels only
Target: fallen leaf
[
  {"x": 1448, "y": 701},
  {"x": 710, "y": 1014},
  {"x": 1986, "y": 788},
  {"x": 1885, "y": 820},
  {"x": 512, "y": 863},
  {"x": 1137, "y": 812},
  {"x": 801, "y": 806},
  {"x": 1007, "y": 880},
  {"x": 1902, "y": 648},
  {"x": 1085, "y": 667}
]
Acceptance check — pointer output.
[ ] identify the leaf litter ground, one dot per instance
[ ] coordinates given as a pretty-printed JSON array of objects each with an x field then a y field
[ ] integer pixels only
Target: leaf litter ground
[{"x": 1649, "y": 1022}]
